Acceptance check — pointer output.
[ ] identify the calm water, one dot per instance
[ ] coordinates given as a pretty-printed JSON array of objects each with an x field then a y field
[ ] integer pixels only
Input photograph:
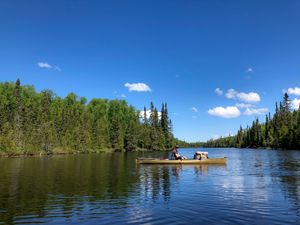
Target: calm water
[{"x": 256, "y": 187}]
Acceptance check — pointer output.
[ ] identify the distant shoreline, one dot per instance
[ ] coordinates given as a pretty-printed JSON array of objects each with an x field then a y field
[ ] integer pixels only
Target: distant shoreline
[{"x": 43, "y": 154}]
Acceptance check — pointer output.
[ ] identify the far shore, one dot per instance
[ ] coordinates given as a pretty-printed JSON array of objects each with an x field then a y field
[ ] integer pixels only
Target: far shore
[{"x": 43, "y": 153}]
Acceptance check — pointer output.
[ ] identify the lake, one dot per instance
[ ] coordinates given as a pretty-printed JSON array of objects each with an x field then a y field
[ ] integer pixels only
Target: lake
[{"x": 255, "y": 187}]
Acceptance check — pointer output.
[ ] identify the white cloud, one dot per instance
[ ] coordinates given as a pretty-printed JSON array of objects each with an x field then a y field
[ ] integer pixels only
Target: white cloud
[
  {"x": 195, "y": 109},
  {"x": 231, "y": 93},
  {"x": 295, "y": 103},
  {"x": 249, "y": 70},
  {"x": 245, "y": 97},
  {"x": 139, "y": 87},
  {"x": 250, "y": 112},
  {"x": 243, "y": 105},
  {"x": 249, "y": 97},
  {"x": 227, "y": 112},
  {"x": 47, "y": 66},
  {"x": 44, "y": 65},
  {"x": 219, "y": 91},
  {"x": 292, "y": 91},
  {"x": 148, "y": 114}
]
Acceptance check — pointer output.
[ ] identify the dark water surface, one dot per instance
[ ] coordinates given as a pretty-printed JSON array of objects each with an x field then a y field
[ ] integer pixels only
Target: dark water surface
[{"x": 256, "y": 187}]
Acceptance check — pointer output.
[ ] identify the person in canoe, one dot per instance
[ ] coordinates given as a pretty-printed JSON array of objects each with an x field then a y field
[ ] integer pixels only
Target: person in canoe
[{"x": 176, "y": 155}]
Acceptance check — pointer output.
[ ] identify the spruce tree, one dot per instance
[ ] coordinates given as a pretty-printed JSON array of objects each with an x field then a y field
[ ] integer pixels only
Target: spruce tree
[
  {"x": 31, "y": 122},
  {"x": 18, "y": 117}
]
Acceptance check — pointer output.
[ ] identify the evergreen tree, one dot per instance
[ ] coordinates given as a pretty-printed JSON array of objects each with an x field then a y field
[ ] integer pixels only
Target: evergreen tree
[
  {"x": 46, "y": 128},
  {"x": 286, "y": 103},
  {"x": 18, "y": 119},
  {"x": 131, "y": 136},
  {"x": 297, "y": 132},
  {"x": 33, "y": 122},
  {"x": 239, "y": 141},
  {"x": 281, "y": 131},
  {"x": 115, "y": 126}
]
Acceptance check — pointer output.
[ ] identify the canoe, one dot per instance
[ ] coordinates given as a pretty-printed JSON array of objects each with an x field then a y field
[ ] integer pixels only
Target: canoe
[{"x": 184, "y": 161}]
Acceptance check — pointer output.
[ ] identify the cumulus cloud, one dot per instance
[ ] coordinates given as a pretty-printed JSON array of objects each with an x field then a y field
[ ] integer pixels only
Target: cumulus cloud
[
  {"x": 250, "y": 112},
  {"x": 219, "y": 91},
  {"x": 231, "y": 93},
  {"x": 139, "y": 87},
  {"x": 245, "y": 97},
  {"x": 44, "y": 65},
  {"x": 249, "y": 70},
  {"x": 194, "y": 109},
  {"x": 292, "y": 91},
  {"x": 47, "y": 66},
  {"x": 243, "y": 105},
  {"x": 227, "y": 112},
  {"x": 295, "y": 103},
  {"x": 249, "y": 97},
  {"x": 148, "y": 114}
]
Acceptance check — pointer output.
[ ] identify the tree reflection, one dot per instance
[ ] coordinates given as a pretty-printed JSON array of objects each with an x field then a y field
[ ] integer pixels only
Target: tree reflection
[
  {"x": 289, "y": 168},
  {"x": 64, "y": 186},
  {"x": 155, "y": 180},
  {"x": 32, "y": 186}
]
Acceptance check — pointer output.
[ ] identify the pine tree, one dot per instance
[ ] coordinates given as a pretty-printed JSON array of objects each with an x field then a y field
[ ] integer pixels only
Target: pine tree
[
  {"x": 297, "y": 139},
  {"x": 144, "y": 133},
  {"x": 31, "y": 122},
  {"x": 46, "y": 129},
  {"x": 239, "y": 138},
  {"x": 18, "y": 119},
  {"x": 145, "y": 117},
  {"x": 267, "y": 133},
  {"x": 130, "y": 143},
  {"x": 115, "y": 126},
  {"x": 286, "y": 103},
  {"x": 281, "y": 131},
  {"x": 166, "y": 127}
]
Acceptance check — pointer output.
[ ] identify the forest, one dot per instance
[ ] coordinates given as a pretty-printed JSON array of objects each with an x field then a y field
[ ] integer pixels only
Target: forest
[
  {"x": 34, "y": 122},
  {"x": 280, "y": 131}
]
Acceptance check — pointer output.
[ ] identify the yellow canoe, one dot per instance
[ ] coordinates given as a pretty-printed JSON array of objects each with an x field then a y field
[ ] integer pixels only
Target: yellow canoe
[{"x": 184, "y": 161}]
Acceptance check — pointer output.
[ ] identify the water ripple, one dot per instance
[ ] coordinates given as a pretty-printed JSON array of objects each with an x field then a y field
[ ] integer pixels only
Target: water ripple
[{"x": 256, "y": 187}]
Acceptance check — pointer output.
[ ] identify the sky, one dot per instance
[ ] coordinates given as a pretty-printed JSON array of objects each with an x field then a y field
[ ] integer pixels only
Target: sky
[{"x": 217, "y": 64}]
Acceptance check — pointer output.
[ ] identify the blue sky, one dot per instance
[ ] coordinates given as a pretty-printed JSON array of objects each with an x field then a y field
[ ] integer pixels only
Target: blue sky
[{"x": 179, "y": 52}]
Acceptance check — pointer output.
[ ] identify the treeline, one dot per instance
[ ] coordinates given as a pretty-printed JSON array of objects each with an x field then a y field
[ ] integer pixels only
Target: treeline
[
  {"x": 282, "y": 130},
  {"x": 184, "y": 144},
  {"x": 33, "y": 122}
]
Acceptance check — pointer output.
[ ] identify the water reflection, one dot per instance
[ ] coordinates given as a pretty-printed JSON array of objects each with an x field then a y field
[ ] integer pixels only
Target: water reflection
[
  {"x": 155, "y": 180},
  {"x": 32, "y": 186},
  {"x": 111, "y": 188},
  {"x": 290, "y": 177}
]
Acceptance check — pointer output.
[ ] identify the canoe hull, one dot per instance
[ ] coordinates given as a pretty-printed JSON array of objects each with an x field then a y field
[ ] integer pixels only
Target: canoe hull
[{"x": 185, "y": 161}]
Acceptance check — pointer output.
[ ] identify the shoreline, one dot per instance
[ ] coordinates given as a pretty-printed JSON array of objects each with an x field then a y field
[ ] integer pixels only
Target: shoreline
[{"x": 44, "y": 154}]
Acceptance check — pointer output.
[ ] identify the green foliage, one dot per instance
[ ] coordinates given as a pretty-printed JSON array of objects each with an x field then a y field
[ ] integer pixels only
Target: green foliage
[
  {"x": 281, "y": 131},
  {"x": 33, "y": 122},
  {"x": 159, "y": 127}
]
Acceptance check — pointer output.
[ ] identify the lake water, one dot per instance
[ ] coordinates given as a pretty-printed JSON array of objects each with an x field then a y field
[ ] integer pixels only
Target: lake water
[{"x": 256, "y": 187}]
